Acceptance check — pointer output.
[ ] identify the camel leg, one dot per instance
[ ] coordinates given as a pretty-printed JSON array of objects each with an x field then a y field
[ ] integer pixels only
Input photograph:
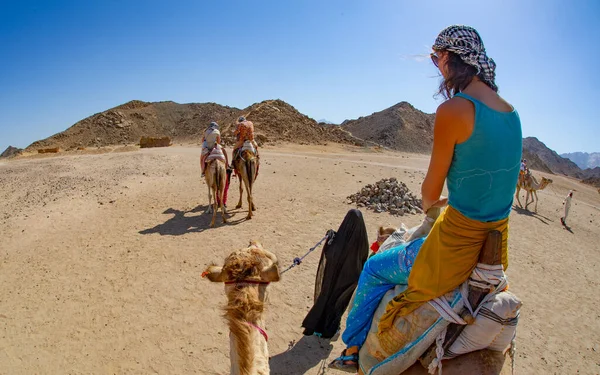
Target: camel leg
[
  {"x": 221, "y": 195},
  {"x": 518, "y": 193},
  {"x": 239, "y": 205},
  {"x": 534, "y": 194},
  {"x": 529, "y": 195},
  {"x": 527, "y": 199},
  {"x": 215, "y": 205},
  {"x": 209, "y": 208},
  {"x": 254, "y": 175},
  {"x": 249, "y": 194}
]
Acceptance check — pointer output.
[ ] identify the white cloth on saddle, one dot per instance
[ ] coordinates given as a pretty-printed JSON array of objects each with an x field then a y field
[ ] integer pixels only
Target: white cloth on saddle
[
  {"x": 403, "y": 234},
  {"x": 216, "y": 153},
  {"x": 398, "y": 237},
  {"x": 494, "y": 328},
  {"x": 248, "y": 146},
  {"x": 483, "y": 276}
]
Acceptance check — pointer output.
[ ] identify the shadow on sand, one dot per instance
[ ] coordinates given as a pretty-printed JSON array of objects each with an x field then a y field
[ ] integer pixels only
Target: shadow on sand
[
  {"x": 568, "y": 228},
  {"x": 302, "y": 356},
  {"x": 522, "y": 211},
  {"x": 183, "y": 223}
]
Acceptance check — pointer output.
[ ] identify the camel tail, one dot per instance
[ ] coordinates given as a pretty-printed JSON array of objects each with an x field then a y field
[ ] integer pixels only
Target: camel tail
[{"x": 250, "y": 171}]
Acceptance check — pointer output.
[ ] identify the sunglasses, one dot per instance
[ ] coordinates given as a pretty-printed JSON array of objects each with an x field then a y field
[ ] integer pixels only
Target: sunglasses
[{"x": 434, "y": 59}]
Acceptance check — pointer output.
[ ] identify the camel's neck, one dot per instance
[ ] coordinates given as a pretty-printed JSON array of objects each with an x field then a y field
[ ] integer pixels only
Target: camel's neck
[
  {"x": 535, "y": 185},
  {"x": 256, "y": 346}
]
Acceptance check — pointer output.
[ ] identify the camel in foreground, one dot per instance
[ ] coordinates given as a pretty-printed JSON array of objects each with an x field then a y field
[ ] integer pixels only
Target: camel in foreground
[
  {"x": 216, "y": 178},
  {"x": 246, "y": 274},
  {"x": 246, "y": 167},
  {"x": 531, "y": 185}
]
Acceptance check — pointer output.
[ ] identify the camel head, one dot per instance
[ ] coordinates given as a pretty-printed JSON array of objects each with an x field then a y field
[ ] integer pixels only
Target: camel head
[
  {"x": 250, "y": 264},
  {"x": 383, "y": 233},
  {"x": 545, "y": 182},
  {"x": 246, "y": 274}
]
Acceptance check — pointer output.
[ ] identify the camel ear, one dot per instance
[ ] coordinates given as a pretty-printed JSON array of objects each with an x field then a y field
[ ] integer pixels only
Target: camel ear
[
  {"x": 256, "y": 244},
  {"x": 270, "y": 274},
  {"x": 215, "y": 274}
]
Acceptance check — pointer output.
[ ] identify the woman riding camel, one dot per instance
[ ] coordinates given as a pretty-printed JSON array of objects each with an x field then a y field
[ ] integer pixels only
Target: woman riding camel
[
  {"x": 244, "y": 131},
  {"x": 211, "y": 138},
  {"x": 477, "y": 152}
]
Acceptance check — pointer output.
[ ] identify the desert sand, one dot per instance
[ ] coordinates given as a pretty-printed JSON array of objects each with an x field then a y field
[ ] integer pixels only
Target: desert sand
[{"x": 101, "y": 255}]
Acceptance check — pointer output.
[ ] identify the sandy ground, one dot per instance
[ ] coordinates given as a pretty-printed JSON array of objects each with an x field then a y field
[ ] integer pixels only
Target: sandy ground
[{"x": 101, "y": 255}]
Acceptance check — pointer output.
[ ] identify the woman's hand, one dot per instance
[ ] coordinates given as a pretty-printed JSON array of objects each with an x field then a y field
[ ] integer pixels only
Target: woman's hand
[{"x": 441, "y": 202}]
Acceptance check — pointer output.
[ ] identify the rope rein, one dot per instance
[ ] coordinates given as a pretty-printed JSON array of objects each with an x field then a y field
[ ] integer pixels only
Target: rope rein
[{"x": 297, "y": 261}]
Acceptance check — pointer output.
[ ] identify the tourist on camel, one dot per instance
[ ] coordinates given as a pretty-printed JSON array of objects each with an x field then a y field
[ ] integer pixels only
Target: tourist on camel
[
  {"x": 211, "y": 139},
  {"x": 244, "y": 131},
  {"x": 477, "y": 146},
  {"x": 523, "y": 171}
]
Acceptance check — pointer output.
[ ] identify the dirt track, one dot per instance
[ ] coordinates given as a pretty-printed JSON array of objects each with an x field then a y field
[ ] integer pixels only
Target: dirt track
[{"x": 101, "y": 258}]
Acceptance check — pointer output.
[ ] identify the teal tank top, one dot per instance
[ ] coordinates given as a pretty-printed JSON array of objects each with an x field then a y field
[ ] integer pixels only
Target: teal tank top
[{"x": 483, "y": 176}]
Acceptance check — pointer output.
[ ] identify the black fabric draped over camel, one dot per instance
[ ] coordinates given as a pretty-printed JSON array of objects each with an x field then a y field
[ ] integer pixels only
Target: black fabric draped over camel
[{"x": 340, "y": 266}]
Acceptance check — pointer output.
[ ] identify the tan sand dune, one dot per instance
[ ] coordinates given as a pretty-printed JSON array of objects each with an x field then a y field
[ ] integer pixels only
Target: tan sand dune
[{"x": 101, "y": 256}]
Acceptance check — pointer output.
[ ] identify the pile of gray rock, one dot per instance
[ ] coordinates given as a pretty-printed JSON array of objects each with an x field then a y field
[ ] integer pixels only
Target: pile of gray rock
[{"x": 387, "y": 195}]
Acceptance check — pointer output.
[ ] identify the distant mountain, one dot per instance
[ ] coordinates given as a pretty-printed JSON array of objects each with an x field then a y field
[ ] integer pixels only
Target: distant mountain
[
  {"x": 400, "y": 127},
  {"x": 542, "y": 158},
  {"x": 10, "y": 152},
  {"x": 274, "y": 120},
  {"x": 584, "y": 160},
  {"x": 325, "y": 121},
  {"x": 535, "y": 149}
]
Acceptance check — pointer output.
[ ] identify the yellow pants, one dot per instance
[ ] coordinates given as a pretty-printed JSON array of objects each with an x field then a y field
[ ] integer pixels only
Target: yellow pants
[{"x": 446, "y": 260}]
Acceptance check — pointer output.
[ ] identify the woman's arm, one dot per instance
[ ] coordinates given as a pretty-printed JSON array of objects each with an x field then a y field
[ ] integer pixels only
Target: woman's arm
[{"x": 448, "y": 129}]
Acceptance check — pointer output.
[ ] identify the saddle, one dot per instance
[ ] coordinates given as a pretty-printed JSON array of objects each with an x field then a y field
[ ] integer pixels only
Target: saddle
[
  {"x": 247, "y": 146},
  {"x": 215, "y": 153}
]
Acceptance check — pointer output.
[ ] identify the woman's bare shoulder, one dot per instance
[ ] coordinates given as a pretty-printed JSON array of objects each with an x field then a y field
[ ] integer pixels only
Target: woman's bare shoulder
[{"x": 455, "y": 108}]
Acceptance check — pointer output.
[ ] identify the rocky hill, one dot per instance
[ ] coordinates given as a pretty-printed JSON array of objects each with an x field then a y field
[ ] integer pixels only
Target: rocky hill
[
  {"x": 127, "y": 123},
  {"x": 594, "y": 181},
  {"x": 10, "y": 152},
  {"x": 584, "y": 160},
  {"x": 550, "y": 158},
  {"x": 277, "y": 121},
  {"x": 400, "y": 127},
  {"x": 274, "y": 120},
  {"x": 534, "y": 162}
]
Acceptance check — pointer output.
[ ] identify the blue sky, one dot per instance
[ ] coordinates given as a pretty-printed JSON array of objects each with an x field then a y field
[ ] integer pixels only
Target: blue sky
[{"x": 62, "y": 61}]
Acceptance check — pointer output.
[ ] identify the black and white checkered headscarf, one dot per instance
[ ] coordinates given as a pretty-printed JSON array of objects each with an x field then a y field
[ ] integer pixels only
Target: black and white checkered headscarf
[{"x": 467, "y": 44}]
